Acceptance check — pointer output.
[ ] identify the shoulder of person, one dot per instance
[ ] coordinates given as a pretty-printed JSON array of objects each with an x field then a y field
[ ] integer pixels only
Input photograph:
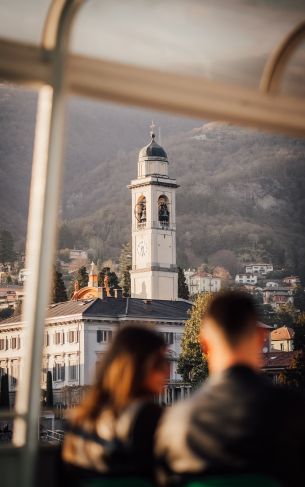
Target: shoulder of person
[
  {"x": 174, "y": 419},
  {"x": 147, "y": 412}
]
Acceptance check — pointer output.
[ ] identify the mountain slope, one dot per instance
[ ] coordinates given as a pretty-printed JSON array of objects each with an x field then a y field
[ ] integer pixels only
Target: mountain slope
[{"x": 241, "y": 190}]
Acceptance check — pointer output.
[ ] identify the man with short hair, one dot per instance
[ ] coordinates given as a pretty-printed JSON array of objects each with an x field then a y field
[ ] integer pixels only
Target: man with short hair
[{"x": 238, "y": 422}]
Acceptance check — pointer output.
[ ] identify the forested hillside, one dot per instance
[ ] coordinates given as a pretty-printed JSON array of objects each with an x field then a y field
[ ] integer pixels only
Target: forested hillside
[{"x": 240, "y": 190}]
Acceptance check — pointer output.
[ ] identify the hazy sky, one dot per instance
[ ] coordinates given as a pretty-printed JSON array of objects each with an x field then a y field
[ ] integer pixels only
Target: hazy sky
[{"x": 226, "y": 39}]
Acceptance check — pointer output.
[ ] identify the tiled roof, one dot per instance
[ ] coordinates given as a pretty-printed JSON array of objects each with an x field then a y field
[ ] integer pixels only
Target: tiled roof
[
  {"x": 278, "y": 290},
  {"x": 282, "y": 333},
  {"x": 279, "y": 360},
  {"x": 260, "y": 324},
  {"x": 67, "y": 308},
  {"x": 117, "y": 308},
  {"x": 139, "y": 308}
]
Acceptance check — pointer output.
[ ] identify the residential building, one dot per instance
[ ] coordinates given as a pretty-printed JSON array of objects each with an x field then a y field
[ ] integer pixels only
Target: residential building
[
  {"x": 293, "y": 281},
  {"x": 282, "y": 339},
  {"x": 78, "y": 254},
  {"x": 245, "y": 279},
  {"x": 203, "y": 282},
  {"x": 278, "y": 297},
  {"x": 259, "y": 269},
  {"x": 10, "y": 296},
  {"x": 77, "y": 334},
  {"x": 276, "y": 362}
]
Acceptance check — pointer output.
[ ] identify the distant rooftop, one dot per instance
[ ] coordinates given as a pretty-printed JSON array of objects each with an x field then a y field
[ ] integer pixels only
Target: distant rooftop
[{"x": 282, "y": 333}]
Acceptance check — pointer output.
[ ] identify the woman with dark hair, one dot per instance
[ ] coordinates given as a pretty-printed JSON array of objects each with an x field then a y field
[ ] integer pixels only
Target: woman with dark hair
[{"x": 112, "y": 430}]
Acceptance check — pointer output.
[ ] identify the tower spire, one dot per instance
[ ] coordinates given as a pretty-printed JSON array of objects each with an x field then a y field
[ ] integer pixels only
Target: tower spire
[{"x": 152, "y": 129}]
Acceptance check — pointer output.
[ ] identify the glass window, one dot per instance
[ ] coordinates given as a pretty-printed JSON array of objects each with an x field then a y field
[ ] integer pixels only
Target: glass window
[
  {"x": 73, "y": 371},
  {"x": 72, "y": 336},
  {"x": 59, "y": 372},
  {"x": 23, "y": 21},
  {"x": 168, "y": 337},
  {"x": 103, "y": 336},
  {"x": 216, "y": 40}
]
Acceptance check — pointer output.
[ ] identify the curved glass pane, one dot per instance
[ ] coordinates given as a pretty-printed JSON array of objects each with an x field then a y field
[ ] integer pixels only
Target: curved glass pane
[
  {"x": 293, "y": 82},
  {"x": 222, "y": 40},
  {"x": 22, "y": 20}
]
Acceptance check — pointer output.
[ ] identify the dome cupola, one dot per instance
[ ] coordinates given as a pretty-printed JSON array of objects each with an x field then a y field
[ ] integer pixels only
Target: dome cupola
[{"x": 153, "y": 149}]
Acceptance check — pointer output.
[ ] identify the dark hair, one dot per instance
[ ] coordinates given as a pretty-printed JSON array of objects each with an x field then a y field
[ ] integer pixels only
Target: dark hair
[
  {"x": 235, "y": 313},
  {"x": 121, "y": 375}
]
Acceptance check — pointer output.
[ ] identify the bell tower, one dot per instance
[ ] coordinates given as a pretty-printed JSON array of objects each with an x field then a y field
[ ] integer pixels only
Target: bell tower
[{"x": 154, "y": 271}]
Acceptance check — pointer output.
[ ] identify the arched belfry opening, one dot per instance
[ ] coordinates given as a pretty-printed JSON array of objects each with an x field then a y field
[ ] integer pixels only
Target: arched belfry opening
[
  {"x": 163, "y": 211},
  {"x": 140, "y": 212}
]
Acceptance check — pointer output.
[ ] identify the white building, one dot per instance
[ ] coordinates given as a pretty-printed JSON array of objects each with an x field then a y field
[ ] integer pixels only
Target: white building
[
  {"x": 260, "y": 269},
  {"x": 22, "y": 276},
  {"x": 78, "y": 254},
  {"x": 78, "y": 332},
  {"x": 202, "y": 282},
  {"x": 245, "y": 279}
]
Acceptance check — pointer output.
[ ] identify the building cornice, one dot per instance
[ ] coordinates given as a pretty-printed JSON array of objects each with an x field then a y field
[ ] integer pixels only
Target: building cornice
[{"x": 153, "y": 182}]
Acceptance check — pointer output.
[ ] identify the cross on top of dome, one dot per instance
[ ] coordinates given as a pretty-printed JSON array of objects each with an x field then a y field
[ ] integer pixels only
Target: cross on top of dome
[{"x": 153, "y": 149}]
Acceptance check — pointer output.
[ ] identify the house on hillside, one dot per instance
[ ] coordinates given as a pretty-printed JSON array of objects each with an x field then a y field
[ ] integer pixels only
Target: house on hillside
[
  {"x": 276, "y": 362},
  {"x": 10, "y": 296},
  {"x": 278, "y": 297},
  {"x": 293, "y": 281},
  {"x": 203, "y": 282},
  {"x": 258, "y": 269},
  {"x": 282, "y": 339},
  {"x": 245, "y": 279},
  {"x": 78, "y": 254}
]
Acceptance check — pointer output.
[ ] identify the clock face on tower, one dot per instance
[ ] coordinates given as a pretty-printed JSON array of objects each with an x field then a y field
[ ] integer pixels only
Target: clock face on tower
[{"x": 142, "y": 248}]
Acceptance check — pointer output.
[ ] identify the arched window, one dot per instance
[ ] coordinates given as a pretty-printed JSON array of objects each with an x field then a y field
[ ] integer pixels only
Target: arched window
[
  {"x": 140, "y": 211},
  {"x": 163, "y": 211}
]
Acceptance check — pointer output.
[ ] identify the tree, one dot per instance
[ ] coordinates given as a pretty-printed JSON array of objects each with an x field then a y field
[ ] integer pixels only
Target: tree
[
  {"x": 82, "y": 276},
  {"x": 192, "y": 364},
  {"x": 294, "y": 377},
  {"x": 222, "y": 273},
  {"x": 285, "y": 316},
  {"x": 4, "y": 393},
  {"x": 183, "y": 291},
  {"x": 18, "y": 309},
  {"x": 7, "y": 252},
  {"x": 299, "y": 332},
  {"x": 59, "y": 289},
  {"x": 299, "y": 298},
  {"x": 9, "y": 279},
  {"x": 125, "y": 263},
  {"x": 49, "y": 392},
  {"x": 224, "y": 258},
  {"x": 66, "y": 237},
  {"x": 113, "y": 279},
  {"x": 6, "y": 313}
]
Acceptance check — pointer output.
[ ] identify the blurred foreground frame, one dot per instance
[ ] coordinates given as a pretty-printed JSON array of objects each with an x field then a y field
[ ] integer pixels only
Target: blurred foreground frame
[{"x": 50, "y": 67}]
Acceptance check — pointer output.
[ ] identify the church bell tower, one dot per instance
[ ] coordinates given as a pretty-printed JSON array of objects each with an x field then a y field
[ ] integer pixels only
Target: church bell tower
[{"x": 154, "y": 271}]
